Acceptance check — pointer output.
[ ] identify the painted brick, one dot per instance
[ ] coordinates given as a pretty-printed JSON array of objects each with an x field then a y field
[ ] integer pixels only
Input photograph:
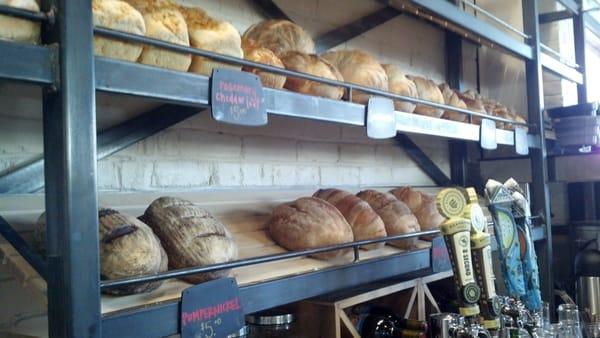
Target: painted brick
[
  {"x": 332, "y": 176},
  {"x": 357, "y": 153},
  {"x": 375, "y": 175},
  {"x": 284, "y": 175},
  {"x": 108, "y": 175},
  {"x": 181, "y": 174},
  {"x": 20, "y": 136},
  {"x": 167, "y": 143},
  {"x": 388, "y": 154},
  {"x": 410, "y": 176},
  {"x": 199, "y": 145},
  {"x": 227, "y": 174},
  {"x": 265, "y": 149},
  {"x": 318, "y": 152},
  {"x": 146, "y": 147},
  {"x": 307, "y": 176},
  {"x": 136, "y": 175},
  {"x": 255, "y": 174}
]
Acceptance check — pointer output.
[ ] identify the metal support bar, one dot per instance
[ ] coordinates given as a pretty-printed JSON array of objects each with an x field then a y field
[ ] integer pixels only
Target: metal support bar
[
  {"x": 23, "y": 13},
  {"x": 591, "y": 23},
  {"x": 555, "y": 16},
  {"x": 423, "y": 161},
  {"x": 570, "y": 5},
  {"x": 579, "y": 32},
  {"x": 35, "y": 260},
  {"x": 271, "y": 10},
  {"x": 27, "y": 62}
]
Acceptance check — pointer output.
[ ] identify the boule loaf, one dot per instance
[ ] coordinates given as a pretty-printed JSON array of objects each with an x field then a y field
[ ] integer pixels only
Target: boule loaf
[
  {"x": 21, "y": 30},
  {"x": 314, "y": 65},
  {"x": 422, "y": 205},
  {"x": 310, "y": 222},
  {"x": 474, "y": 103},
  {"x": 363, "y": 220},
  {"x": 266, "y": 56},
  {"x": 396, "y": 216},
  {"x": 280, "y": 36},
  {"x": 361, "y": 68},
  {"x": 427, "y": 90},
  {"x": 191, "y": 236},
  {"x": 121, "y": 16},
  {"x": 451, "y": 98},
  {"x": 399, "y": 84}
]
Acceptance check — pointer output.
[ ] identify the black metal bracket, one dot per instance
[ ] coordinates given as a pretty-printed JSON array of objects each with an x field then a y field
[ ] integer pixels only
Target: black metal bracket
[
  {"x": 270, "y": 9},
  {"x": 35, "y": 260},
  {"x": 423, "y": 161},
  {"x": 555, "y": 16}
]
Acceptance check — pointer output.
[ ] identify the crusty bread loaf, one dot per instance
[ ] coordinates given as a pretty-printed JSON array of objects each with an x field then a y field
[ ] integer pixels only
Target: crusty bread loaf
[
  {"x": 121, "y": 16},
  {"x": 310, "y": 222},
  {"x": 280, "y": 36},
  {"x": 474, "y": 103},
  {"x": 363, "y": 220},
  {"x": 191, "y": 236},
  {"x": 21, "y": 30},
  {"x": 399, "y": 84},
  {"x": 422, "y": 205},
  {"x": 427, "y": 90},
  {"x": 359, "y": 67},
  {"x": 212, "y": 35},
  {"x": 396, "y": 216},
  {"x": 451, "y": 98},
  {"x": 311, "y": 64},
  {"x": 266, "y": 56}
]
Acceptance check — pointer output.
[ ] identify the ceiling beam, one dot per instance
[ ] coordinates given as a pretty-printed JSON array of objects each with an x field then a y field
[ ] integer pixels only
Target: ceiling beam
[{"x": 270, "y": 9}]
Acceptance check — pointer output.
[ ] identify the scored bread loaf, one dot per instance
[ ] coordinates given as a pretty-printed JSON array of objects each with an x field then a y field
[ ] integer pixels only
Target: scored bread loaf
[
  {"x": 266, "y": 56},
  {"x": 359, "y": 67},
  {"x": 399, "y": 84},
  {"x": 315, "y": 65},
  {"x": 427, "y": 90},
  {"x": 451, "y": 98},
  {"x": 212, "y": 35},
  {"x": 310, "y": 222},
  {"x": 396, "y": 216},
  {"x": 363, "y": 220},
  {"x": 191, "y": 236},
  {"x": 280, "y": 36},
  {"x": 121, "y": 16},
  {"x": 422, "y": 205},
  {"x": 474, "y": 103},
  {"x": 16, "y": 29}
]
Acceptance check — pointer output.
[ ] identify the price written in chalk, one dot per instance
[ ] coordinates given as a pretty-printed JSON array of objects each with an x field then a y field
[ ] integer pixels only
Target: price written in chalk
[{"x": 237, "y": 98}]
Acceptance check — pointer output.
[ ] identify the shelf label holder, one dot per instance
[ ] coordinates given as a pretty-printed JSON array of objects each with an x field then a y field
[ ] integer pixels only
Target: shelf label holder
[
  {"x": 487, "y": 136},
  {"x": 521, "y": 141},
  {"x": 236, "y": 97},
  {"x": 381, "y": 118}
]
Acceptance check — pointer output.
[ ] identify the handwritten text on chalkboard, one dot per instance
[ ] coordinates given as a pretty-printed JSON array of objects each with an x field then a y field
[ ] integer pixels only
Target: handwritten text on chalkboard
[{"x": 237, "y": 98}]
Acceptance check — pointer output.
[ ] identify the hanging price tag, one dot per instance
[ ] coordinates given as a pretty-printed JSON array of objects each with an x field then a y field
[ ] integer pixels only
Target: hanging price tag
[
  {"x": 440, "y": 260},
  {"x": 521, "y": 141},
  {"x": 211, "y": 309},
  {"x": 487, "y": 136},
  {"x": 237, "y": 98},
  {"x": 381, "y": 118}
]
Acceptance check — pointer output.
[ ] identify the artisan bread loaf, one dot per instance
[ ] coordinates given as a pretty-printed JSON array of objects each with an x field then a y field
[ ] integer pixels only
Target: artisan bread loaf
[
  {"x": 451, "y": 98},
  {"x": 315, "y": 65},
  {"x": 191, "y": 236},
  {"x": 21, "y": 30},
  {"x": 363, "y": 220},
  {"x": 361, "y": 68},
  {"x": 212, "y": 35},
  {"x": 121, "y": 16},
  {"x": 474, "y": 103},
  {"x": 399, "y": 84},
  {"x": 266, "y": 56},
  {"x": 427, "y": 90},
  {"x": 310, "y": 222},
  {"x": 396, "y": 216},
  {"x": 280, "y": 36},
  {"x": 422, "y": 205}
]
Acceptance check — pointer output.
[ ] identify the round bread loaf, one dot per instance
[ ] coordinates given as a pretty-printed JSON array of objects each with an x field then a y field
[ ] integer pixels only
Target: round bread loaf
[
  {"x": 422, "y": 205},
  {"x": 427, "y": 90},
  {"x": 121, "y": 16},
  {"x": 399, "y": 84},
  {"x": 21, "y": 30},
  {"x": 361, "y": 68},
  {"x": 266, "y": 56},
  {"x": 363, "y": 220},
  {"x": 451, "y": 98},
  {"x": 474, "y": 103},
  {"x": 212, "y": 35},
  {"x": 280, "y": 36},
  {"x": 396, "y": 216},
  {"x": 310, "y": 222},
  {"x": 311, "y": 64}
]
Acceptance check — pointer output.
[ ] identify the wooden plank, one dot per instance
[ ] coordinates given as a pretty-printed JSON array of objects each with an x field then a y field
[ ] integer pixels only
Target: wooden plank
[
  {"x": 348, "y": 324},
  {"x": 374, "y": 294}
]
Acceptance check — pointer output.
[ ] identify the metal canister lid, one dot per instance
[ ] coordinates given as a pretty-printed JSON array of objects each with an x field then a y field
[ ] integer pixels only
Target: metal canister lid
[
  {"x": 451, "y": 202},
  {"x": 271, "y": 317},
  {"x": 243, "y": 332}
]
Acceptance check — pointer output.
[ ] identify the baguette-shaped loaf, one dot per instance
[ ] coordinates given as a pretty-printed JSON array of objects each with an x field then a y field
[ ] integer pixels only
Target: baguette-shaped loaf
[
  {"x": 191, "y": 236},
  {"x": 266, "y": 56},
  {"x": 399, "y": 84},
  {"x": 427, "y": 90},
  {"x": 121, "y": 16},
  {"x": 280, "y": 36},
  {"x": 315, "y": 65},
  {"x": 361, "y": 68},
  {"x": 396, "y": 216},
  {"x": 363, "y": 220},
  {"x": 310, "y": 222},
  {"x": 422, "y": 205},
  {"x": 21, "y": 30},
  {"x": 451, "y": 98}
]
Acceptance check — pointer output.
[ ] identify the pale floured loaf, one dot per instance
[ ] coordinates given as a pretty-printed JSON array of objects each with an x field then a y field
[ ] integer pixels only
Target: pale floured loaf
[
  {"x": 280, "y": 36},
  {"x": 451, "y": 98},
  {"x": 359, "y": 67},
  {"x": 21, "y": 30},
  {"x": 266, "y": 56},
  {"x": 422, "y": 205},
  {"x": 314, "y": 65},
  {"x": 399, "y": 84},
  {"x": 428, "y": 90},
  {"x": 121, "y": 16}
]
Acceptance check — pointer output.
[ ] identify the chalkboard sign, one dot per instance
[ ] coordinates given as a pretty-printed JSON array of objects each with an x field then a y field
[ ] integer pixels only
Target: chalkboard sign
[
  {"x": 237, "y": 98},
  {"x": 211, "y": 309},
  {"x": 521, "y": 141},
  {"x": 440, "y": 260},
  {"x": 487, "y": 137},
  {"x": 381, "y": 118}
]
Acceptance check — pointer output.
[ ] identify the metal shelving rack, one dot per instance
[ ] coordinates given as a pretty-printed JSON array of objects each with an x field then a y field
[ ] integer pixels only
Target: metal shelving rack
[{"x": 65, "y": 67}]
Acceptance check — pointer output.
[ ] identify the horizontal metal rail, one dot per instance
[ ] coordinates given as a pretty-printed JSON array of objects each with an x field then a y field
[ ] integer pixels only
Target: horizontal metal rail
[
  {"x": 108, "y": 284},
  {"x": 558, "y": 56},
  {"x": 281, "y": 71},
  {"x": 14, "y": 238},
  {"x": 496, "y": 19},
  {"x": 24, "y": 14}
]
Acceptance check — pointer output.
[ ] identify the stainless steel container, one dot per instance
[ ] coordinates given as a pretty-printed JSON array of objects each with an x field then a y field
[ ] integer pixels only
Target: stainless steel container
[
  {"x": 440, "y": 324},
  {"x": 588, "y": 296}
]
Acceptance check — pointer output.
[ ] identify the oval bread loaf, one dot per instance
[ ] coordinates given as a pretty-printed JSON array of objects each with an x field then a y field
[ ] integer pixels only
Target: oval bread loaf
[
  {"x": 16, "y": 29},
  {"x": 266, "y": 56},
  {"x": 310, "y": 222},
  {"x": 280, "y": 36},
  {"x": 121, "y": 16},
  {"x": 474, "y": 103},
  {"x": 396, "y": 216},
  {"x": 399, "y": 84},
  {"x": 315, "y": 65},
  {"x": 363, "y": 220},
  {"x": 451, "y": 98},
  {"x": 422, "y": 205},
  {"x": 428, "y": 90},
  {"x": 191, "y": 236}
]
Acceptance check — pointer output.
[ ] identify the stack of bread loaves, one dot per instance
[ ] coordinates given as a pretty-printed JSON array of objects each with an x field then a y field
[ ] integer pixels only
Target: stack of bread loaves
[{"x": 20, "y": 30}]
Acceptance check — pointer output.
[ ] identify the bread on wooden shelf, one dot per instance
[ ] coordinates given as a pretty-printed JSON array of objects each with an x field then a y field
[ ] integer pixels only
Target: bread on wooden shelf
[
  {"x": 263, "y": 55},
  {"x": 361, "y": 68},
  {"x": 474, "y": 103},
  {"x": 212, "y": 35},
  {"x": 280, "y": 36},
  {"x": 422, "y": 205},
  {"x": 191, "y": 236},
  {"x": 310, "y": 222},
  {"x": 396, "y": 216},
  {"x": 121, "y": 16},
  {"x": 21, "y": 30},
  {"x": 363, "y": 220},
  {"x": 427, "y": 90},
  {"x": 315, "y": 65},
  {"x": 451, "y": 98},
  {"x": 399, "y": 84}
]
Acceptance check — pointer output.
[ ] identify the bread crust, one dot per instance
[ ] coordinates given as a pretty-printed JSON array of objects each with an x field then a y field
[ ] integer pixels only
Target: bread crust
[
  {"x": 121, "y": 16},
  {"x": 21, "y": 30},
  {"x": 427, "y": 90},
  {"x": 399, "y": 84},
  {"x": 315, "y": 65},
  {"x": 280, "y": 36}
]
